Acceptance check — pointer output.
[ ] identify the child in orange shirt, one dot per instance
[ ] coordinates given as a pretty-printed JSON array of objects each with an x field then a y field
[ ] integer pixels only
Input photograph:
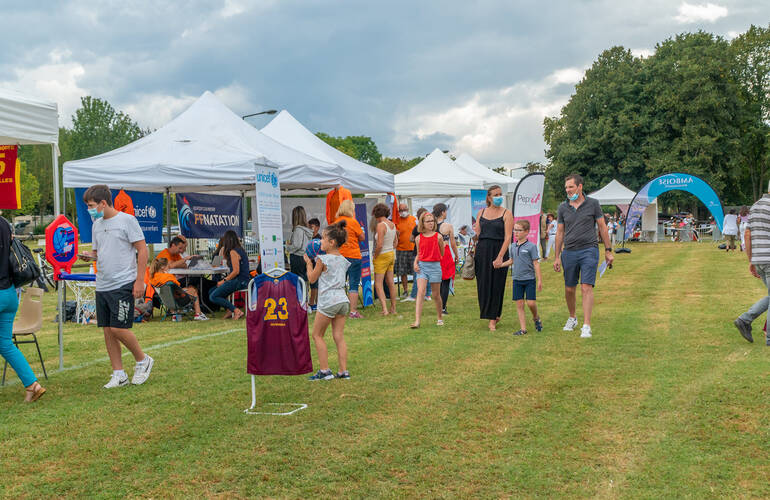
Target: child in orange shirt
[{"x": 159, "y": 276}]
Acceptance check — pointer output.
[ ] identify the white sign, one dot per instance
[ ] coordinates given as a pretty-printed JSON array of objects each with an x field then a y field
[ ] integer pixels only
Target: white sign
[{"x": 268, "y": 202}]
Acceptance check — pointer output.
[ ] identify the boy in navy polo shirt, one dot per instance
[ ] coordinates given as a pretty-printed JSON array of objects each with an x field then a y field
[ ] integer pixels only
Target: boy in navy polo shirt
[{"x": 526, "y": 275}]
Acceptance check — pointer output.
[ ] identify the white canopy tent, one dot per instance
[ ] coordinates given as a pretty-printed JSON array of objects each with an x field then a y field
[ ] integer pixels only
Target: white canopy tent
[
  {"x": 615, "y": 193},
  {"x": 29, "y": 120},
  {"x": 356, "y": 176},
  {"x": 469, "y": 163},
  {"x": 437, "y": 175},
  {"x": 206, "y": 148}
]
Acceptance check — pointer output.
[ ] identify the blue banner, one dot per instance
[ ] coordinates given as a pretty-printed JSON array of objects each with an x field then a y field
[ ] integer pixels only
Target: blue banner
[
  {"x": 148, "y": 210},
  {"x": 208, "y": 215},
  {"x": 478, "y": 202},
  {"x": 673, "y": 182},
  {"x": 366, "y": 272}
]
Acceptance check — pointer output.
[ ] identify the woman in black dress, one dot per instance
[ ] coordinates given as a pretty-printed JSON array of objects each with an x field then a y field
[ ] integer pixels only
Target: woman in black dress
[{"x": 494, "y": 227}]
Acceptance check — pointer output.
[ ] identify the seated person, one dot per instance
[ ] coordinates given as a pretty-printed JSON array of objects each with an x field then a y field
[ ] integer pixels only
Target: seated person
[
  {"x": 174, "y": 254},
  {"x": 159, "y": 276}
]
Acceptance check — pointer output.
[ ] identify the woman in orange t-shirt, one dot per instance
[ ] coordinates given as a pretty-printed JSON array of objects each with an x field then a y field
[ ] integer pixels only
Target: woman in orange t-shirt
[
  {"x": 159, "y": 276},
  {"x": 351, "y": 251}
]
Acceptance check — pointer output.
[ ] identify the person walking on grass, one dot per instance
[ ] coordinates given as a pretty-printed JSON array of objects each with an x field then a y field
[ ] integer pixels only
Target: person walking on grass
[
  {"x": 412, "y": 237},
  {"x": 121, "y": 259},
  {"x": 9, "y": 304},
  {"x": 385, "y": 238},
  {"x": 427, "y": 265},
  {"x": 730, "y": 229},
  {"x": 448, "y": 269},
  {"x": 526, "y": 275},
  {"x": 576, "y": 249},
  {"x": 330, "y": 270},
  {"x": 757, "y": 239}
]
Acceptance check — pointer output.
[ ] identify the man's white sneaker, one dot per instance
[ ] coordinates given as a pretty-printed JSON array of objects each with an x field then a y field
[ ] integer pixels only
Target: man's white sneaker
[
  {"x": 585, "y": 332},
  {"x": 570, "y": 325},
  {"x": 142, "y": 371},
  {"x": 116, "y": 381}
]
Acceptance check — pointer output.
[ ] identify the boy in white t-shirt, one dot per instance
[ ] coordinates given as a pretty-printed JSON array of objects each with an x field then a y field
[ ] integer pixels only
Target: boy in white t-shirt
[{"x": 121, "y": 259}]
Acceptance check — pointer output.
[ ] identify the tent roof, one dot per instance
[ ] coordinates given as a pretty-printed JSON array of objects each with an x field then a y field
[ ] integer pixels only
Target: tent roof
[
  {"x": 357, "y": 176},
  {"x": 206, "y": 148},
  {"x": 438, "y": 175},
  {"x": 27, "y": 120},
  {"x": 469, "y": 163},
  {"x": 614, "y": 193}
]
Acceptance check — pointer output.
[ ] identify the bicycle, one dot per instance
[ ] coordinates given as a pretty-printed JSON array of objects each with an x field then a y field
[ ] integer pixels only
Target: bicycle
[{"x": 46, "y": 272}]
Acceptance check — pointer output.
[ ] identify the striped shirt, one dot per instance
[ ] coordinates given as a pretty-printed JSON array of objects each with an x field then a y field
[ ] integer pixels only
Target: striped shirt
[{"x": 759, "y": 225}]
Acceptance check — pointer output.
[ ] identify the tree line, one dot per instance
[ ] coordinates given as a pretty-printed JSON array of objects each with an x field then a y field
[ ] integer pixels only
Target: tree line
[{"x": 699, "y": 104}]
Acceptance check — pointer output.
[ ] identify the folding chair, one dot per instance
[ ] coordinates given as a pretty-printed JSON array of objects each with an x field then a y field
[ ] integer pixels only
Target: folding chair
[
  {"x": 29, "y": 321},
  {"x": 174, "y": 300}
]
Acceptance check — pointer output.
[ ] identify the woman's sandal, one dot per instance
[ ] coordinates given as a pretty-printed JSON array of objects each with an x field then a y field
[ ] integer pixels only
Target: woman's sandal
[
  {"x": 238, "y": 314},
  {"x": 414, "y": 326},
  {"x": 440, "y": 322},
  {"x": 520, "y": 332},
  {"x": 34, "y": 393}
]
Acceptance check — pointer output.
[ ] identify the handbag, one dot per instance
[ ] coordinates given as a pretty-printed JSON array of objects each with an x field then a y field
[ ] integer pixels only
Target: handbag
[
  {"x": 22, "y": 264},
  {"x": 468, "y": 271}
]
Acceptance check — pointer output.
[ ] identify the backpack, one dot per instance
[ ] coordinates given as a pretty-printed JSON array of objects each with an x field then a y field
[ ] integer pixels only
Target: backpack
[{"x": 22, "y": 265}]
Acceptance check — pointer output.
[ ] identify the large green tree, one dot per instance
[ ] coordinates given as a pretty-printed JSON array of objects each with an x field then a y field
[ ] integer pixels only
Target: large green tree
[
  {"x": 752, "y": 72},
  {"x": 397, "y": 165},
  {"x": 29, "y": 192},
  {"x": 600, "y": 131},
  {"x": 360, "y": 147}
]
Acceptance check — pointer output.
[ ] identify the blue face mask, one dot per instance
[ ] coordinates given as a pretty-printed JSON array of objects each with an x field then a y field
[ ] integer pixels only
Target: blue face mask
[
  {"x": 95, "y": 213},
  {"x": 497, "y": 201},
  {"x": 573, "y": 197}
]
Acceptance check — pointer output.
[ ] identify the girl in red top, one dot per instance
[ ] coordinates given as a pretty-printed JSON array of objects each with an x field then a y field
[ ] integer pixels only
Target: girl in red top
[{"x": 427, "y": 265}]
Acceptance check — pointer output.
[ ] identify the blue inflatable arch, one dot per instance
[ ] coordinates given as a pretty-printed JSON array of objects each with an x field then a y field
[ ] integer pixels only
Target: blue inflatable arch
[{"x": 673, "y": 182}]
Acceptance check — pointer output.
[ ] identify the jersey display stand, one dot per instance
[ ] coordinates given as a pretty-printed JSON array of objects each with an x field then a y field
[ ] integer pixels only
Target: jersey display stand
[{"x": 277, "y": 333}]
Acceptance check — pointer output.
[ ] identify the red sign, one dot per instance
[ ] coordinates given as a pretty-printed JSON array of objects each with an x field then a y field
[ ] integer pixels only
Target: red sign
[
  {"x": 10, "y": 187},
  {"x": 61, "y": 245}
]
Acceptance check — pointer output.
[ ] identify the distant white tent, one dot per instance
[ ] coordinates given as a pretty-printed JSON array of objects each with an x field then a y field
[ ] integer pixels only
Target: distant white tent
[
  {"x": 614, "y": 193},
  {"x": 467, "y": 162},
  {"x": 206, "y": 148},
  {"x": 356, "y": 176},
  {"x": 437, "y": 175}
]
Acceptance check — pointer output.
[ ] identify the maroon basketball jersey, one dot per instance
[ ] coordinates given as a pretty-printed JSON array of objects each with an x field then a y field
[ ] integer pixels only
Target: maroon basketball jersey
[{"x": 276, "y": 327}]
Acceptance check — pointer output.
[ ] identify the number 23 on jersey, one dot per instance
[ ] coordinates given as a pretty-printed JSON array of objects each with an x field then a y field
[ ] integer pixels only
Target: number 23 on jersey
[{"x": 276, "y": 310}]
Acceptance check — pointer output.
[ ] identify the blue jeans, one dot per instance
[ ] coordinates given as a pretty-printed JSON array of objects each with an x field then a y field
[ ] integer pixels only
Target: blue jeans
[
  {"x": 9, "y": 303},
  {"x": 761, "y": 306},
  {"x": 219, "y": 294}
]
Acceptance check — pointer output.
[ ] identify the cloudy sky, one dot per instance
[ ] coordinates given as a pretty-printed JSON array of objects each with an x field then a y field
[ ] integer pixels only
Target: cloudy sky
[{"x": 469, "y": 76}]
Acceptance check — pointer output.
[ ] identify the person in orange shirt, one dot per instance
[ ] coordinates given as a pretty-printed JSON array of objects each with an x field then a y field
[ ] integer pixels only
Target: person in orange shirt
[
  {"x": 405, "y": 247},
  {"x": 334, "y": 199},
  {"x": 351, "y": 251},
  {"x": 159, "y": 276},
  {"x": 173, "y": 254},
  {"x": 123, "y": 203}
]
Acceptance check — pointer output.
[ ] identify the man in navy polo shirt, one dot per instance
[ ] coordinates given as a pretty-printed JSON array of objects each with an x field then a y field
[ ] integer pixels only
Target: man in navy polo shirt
[{"x": 577, "y": 251}]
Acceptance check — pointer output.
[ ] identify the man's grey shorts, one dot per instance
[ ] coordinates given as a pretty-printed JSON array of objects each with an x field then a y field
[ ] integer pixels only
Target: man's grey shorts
[
  {"x": 341, "y": 309},
  {"x": 580, "y": 265}
]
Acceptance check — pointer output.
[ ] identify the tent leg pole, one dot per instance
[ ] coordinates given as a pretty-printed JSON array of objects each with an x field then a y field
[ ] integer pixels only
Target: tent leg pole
[
  {"x": 244, "y": 217},
  {"x": 57, "y": 211},
  {"x": 56, "y": 198},
  {"x": 168, "y": 214},
  {"x": 61, "y": 324}
]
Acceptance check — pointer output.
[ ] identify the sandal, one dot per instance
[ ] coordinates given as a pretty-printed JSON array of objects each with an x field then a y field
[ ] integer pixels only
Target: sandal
[
  {"x": 520, "y": 332},
  {"x": 440, "y": 322},
  {"x": 414, "y": 326},
  {"x": 237, "y": 314},
  {"x": 34, "y": 393}
]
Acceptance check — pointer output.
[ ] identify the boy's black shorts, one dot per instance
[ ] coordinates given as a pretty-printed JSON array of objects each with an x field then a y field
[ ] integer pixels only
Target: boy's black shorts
[{"x": 115, "y": 308}]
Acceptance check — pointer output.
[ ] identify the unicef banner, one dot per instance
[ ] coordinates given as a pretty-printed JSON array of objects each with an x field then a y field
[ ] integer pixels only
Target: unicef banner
[
  {"x": 673, "y": 182},
  {"x": 527, "y": 203},
  {"x": 267, "y": 205},
  {"x": 146, "y": 207},
  {"x": 208, "y": 215}
]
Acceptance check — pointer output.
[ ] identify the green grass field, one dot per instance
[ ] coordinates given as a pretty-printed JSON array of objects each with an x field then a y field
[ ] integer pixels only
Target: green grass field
[{"x": 666, "y": 400}]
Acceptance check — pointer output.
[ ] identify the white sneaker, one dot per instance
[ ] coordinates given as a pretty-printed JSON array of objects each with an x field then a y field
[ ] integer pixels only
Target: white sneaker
[
  {"x": 142, "y": 371},
  {"x": 585, "y": 332},
  {"x": 116, "y": 381},
  {"x": 408, "y": 299},
  {"x": 570, "y": 325},
  {"x": 200, "y": 317}
]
